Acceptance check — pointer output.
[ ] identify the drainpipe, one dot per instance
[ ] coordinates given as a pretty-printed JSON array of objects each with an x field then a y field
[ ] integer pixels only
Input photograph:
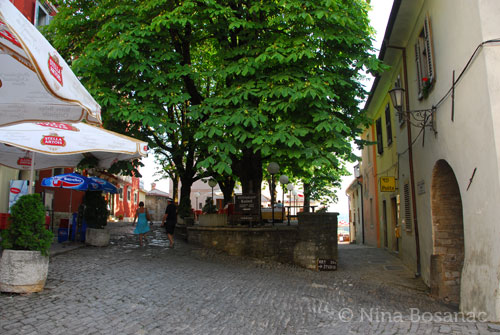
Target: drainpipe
[
  {"x": 410, "y": 160},
  {"x": 362, "y": 214}
]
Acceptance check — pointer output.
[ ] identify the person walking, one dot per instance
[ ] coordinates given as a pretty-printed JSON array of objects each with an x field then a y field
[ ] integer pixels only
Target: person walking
[
  {"x": 169, "y": 221},
  {"x": 142, "y": 227}
]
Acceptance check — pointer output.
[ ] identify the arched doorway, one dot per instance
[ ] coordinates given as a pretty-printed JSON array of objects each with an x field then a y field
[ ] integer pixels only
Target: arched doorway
[{"x": 448, "y": 234}]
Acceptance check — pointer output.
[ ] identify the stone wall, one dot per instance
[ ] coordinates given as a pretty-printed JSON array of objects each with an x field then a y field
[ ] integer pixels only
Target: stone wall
[
  {"x": 275, "y": 243},
  {"x": 315, "y": 237},
  {"x": 156, "y": 207}
]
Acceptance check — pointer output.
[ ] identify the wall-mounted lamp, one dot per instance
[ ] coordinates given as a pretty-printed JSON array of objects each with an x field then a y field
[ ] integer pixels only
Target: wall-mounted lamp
[{"x": 419, "y": 118}]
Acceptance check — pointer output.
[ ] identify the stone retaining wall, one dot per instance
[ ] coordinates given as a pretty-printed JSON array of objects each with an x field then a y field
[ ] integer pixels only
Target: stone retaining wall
[{"x": 315, "y": 237}]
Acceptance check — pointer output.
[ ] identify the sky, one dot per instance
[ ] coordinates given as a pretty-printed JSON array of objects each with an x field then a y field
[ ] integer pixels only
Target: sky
[{"x": 379, "y": 15}]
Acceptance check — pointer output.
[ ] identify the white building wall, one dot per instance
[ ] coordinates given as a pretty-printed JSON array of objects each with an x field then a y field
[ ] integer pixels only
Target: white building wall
[
  {"x": 6, "y": 175},
  {"x": 467, "y": 143}
]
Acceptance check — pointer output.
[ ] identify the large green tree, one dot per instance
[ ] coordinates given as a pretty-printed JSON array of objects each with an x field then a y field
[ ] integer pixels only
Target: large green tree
[
  {"x": 222, "y": 87},
  {"x": 290, "y": 88}
]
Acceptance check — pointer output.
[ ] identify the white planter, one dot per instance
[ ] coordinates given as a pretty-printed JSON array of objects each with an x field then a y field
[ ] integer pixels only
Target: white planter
[
  {"x": 23, "y": 271},
  {"x": 213, "y": 220},
  {"x": 97, "y": 237}
]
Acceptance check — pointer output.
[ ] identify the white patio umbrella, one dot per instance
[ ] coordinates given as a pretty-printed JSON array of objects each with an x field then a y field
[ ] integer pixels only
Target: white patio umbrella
[
  {"x": 42, "y": 145},
  {"x": 36, "y": 84}
]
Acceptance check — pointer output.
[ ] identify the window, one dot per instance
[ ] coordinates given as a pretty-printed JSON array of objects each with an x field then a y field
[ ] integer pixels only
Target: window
[
  {"x": 388, "y": 126},
  {"x": 42, "y": 17},
  {"x": 120, "y": 192},
  {"x": 57, "y": 171},
  {"x": 406, "y": 189},
  {"x": 128, "y": 195},
  {"x": 380, "y": 141},
  {"x": 425, "y": 60}
]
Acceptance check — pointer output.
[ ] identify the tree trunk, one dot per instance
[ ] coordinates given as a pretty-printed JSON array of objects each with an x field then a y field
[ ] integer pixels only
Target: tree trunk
[
  {"x": 175, "y": 189},
  {"x": 249, "y": 170},
  {"x": 227, "y": 188},
  {"x": 307, "y": 197},
  {"x": 185, "y": 198}
]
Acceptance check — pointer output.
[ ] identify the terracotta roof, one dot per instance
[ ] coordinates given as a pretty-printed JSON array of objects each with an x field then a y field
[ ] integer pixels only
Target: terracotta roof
[{"x": 158, "y": 193}]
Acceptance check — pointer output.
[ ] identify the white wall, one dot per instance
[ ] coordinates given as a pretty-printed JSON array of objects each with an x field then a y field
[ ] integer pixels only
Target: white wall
[{"x": 470, "y": 141}]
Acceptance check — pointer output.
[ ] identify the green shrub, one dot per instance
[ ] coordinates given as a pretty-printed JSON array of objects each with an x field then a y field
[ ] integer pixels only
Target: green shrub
[
  {"x": 27, "y": 226},
  {"x": 95, "y": 210}
]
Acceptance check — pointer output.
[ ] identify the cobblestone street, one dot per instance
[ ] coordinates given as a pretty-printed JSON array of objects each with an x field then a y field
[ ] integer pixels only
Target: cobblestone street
[{"x": 125, "y": 289}]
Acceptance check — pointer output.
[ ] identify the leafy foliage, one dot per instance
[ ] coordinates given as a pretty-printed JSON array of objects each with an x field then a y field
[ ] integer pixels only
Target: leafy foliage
[
  {"x": 95, "y": 211},
  {"x": 222, "y": 87},
  {"x": 27, "y": 226}
]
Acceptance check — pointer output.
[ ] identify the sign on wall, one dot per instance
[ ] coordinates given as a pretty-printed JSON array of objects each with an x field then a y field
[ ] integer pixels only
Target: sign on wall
[
  {"x": 327, "y": 265},
  {"x": 387, "y": 184},
  {"x": 248, "y": 206}
]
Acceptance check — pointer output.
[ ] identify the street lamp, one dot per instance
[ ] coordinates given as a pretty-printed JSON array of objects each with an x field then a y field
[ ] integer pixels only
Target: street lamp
[
  {"x": 423, "y": 117},
  {"x": 212, "y": 183},
  {"x": 295, "y": 192},
  {"x": 290, "y": 189},
  {"x": 197, "y": 194},
  {"x": 273, "y": 168},
  {"x": 283, "y": 182}
]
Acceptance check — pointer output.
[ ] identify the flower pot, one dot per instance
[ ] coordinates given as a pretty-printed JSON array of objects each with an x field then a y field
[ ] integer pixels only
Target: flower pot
[
  {"x": 23, "y": 271},
  {"x": 213, "y": 220},
  {"x": 97, "y": 237}
]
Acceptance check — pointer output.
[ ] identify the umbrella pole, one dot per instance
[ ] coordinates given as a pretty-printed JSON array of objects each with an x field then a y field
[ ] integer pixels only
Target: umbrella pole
[
  {"x": 32, "y": 172},
  {"x": 70, "y": 214}
]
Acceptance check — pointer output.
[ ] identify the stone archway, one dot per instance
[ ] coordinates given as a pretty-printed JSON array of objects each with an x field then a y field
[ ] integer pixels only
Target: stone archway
[{"x": 448, "y": 234}]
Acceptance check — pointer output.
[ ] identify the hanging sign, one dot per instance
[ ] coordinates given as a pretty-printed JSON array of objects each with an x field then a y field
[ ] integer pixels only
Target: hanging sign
[{"x": 387, "y": 184}]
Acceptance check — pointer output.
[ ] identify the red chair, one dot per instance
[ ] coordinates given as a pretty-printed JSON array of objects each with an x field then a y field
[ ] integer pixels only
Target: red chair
[{"x": 4, "y": 220}]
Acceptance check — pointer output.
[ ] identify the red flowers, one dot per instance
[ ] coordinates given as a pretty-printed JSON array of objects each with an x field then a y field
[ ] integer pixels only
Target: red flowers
[{"x": 425, "y": 79}]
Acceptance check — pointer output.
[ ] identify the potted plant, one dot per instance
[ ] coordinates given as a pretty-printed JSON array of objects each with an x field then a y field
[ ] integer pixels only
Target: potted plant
[
  {"x": 210, "y": 216},
  {"x": 26, "y": 242},
  {"x": 95, "y": 213}
]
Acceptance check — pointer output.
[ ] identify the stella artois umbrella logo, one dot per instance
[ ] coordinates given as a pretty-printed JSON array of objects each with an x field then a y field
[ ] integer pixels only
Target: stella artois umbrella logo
[
  {"x": 24, "y": 161},
  {"x": 53, "y": 140},
  {"x": 55, "y": 69},
  {"x": 58, "y": 125},
  {"x": 4, "y": 33}
]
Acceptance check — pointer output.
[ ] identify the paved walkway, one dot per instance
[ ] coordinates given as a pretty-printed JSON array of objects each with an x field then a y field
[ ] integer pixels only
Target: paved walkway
[{"x": 125, "y": 289}]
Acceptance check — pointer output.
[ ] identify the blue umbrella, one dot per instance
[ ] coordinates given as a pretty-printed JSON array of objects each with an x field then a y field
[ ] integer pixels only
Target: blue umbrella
[
  {"x": 78, "y": 182},
  {"x": 104, "y": 185},
  {"x": 74, "y": 181},
  {"x": 71, "y": 181}
]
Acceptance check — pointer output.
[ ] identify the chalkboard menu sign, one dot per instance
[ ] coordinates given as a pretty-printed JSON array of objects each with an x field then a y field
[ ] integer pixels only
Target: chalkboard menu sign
[
  {"x": 247, "y": 206},
  {"x": 327, "y": 265}
]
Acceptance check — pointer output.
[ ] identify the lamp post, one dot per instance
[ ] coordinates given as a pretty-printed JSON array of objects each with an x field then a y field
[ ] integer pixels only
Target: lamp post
[
  {"x": 197, "y": 194},
  {"x": 295, "y": 192},
  {"x": 273, "y": 168},
  {"x": 283, "y": 182},
  {"x": 290, "y": 189},
  {"x": 212, "y": 183}
]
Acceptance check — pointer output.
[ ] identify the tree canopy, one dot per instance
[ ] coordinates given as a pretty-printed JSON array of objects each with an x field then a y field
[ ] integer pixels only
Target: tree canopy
[{"x": 221, "y": 87}]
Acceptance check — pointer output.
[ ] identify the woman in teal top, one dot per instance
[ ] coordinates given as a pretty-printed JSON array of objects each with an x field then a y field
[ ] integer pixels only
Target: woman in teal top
[{"x": 142, "y": 217}]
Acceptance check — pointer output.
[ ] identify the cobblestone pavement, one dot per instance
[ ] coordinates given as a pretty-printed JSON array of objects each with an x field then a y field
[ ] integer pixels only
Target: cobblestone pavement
[{"x": 126, "y": 289}]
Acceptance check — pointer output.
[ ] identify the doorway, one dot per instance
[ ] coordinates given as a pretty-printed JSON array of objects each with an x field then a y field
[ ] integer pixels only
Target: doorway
[
  {"x": 394, "y": 226},
  {"x": 384, "y": 222},
  {"x": 448, "y": 234}
]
